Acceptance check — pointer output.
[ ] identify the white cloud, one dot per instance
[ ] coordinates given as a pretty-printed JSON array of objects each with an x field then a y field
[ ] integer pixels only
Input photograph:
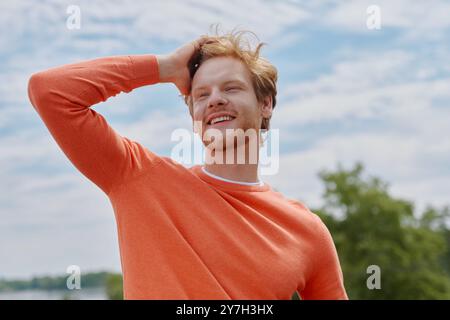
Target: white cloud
[
  {"x": 139, "y": 21},
  {"x": 154, "y": 129},
  {"x": 52, "y": 220},
  {"x": 405, "y": 163},
  {"x": 388, "y": 86},
  {"x": 409, "y": 149},
  {"x": 418, "y": 19}
]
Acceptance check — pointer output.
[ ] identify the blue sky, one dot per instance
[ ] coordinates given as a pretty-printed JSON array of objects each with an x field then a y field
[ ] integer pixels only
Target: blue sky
[{"x": 345, "y": 94}]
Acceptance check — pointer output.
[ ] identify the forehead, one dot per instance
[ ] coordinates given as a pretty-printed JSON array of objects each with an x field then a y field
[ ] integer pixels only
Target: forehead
[{"x": 218, "y": 70}]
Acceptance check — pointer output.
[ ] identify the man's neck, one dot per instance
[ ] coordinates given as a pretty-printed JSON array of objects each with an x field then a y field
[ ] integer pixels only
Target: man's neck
[{"x": 236, "y": 170}]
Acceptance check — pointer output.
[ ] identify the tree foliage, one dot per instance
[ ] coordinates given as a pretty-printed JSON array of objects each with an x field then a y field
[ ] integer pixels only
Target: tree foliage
[
  {"x": 371, "y": 227},
  {"x": 114, "y": 287}
]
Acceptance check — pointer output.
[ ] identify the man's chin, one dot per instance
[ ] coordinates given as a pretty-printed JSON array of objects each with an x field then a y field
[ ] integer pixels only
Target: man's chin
[
  {"x": 231, "y": 151},
  {"x": 222, "y": 128}
]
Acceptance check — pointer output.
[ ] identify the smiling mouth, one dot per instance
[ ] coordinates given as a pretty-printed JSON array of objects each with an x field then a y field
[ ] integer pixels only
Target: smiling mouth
[{"x": 221, "y": 120}]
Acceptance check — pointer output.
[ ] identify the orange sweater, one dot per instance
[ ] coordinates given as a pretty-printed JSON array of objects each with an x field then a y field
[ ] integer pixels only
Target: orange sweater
[{"x": 182, "y": 233}]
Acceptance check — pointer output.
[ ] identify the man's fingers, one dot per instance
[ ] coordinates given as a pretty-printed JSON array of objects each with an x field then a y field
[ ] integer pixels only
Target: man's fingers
[
  {"x": 199, "y": 42},
  {"x": 202, "y": 40}
]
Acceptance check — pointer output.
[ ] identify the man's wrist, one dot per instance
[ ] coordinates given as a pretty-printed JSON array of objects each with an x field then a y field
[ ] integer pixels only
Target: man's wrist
[{"x": 165, "y": 67}]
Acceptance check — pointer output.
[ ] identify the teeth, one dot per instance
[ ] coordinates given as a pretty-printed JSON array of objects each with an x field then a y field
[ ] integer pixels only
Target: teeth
[{"x": 223, "y": 118}]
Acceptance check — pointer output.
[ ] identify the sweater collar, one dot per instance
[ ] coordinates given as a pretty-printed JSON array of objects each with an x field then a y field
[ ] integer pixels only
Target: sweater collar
[{"x": 226, "y": 183}]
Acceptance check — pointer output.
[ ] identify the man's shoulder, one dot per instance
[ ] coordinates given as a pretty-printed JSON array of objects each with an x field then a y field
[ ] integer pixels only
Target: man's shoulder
[
  {"x": 298, "y": 204},
  {"x": 307, "y": 214}
]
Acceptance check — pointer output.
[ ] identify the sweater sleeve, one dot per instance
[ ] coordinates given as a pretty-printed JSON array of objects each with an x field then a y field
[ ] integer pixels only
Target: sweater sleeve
[
  {"x": 62, "y": 97},
  {"x": 326, "y": 281}
]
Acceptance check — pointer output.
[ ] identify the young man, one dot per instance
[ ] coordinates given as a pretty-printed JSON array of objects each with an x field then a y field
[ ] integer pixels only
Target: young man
[{"x": 206, "y": 232}]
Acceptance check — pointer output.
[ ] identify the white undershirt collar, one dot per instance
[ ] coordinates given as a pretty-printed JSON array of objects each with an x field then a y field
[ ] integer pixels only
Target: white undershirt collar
[{"x": 258, "y": 183}]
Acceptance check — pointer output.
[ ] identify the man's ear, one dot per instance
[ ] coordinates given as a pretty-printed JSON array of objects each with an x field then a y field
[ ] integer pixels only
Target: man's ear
[{"x": 266, "y": 107}]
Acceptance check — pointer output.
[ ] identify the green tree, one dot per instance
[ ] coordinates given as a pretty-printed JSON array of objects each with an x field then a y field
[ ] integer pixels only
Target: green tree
[
  {"x": 371, "y": 227},
  {"x": 114, "y": 287}
]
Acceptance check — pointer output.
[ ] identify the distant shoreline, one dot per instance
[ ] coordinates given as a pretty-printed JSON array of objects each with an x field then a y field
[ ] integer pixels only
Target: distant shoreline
[{"x": 93, "y": 285}]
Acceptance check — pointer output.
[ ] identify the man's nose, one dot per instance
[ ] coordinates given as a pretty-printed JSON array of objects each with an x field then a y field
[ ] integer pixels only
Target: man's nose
[{"x": 216, "y": 98}]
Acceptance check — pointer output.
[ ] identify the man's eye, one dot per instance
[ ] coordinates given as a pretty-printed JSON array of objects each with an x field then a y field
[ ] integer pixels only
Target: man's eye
[{"x": 201, "y": 95}]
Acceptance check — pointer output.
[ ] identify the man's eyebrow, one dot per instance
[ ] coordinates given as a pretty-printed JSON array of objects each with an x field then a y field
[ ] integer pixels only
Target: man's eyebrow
[{"x": 226, "y": 82}]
